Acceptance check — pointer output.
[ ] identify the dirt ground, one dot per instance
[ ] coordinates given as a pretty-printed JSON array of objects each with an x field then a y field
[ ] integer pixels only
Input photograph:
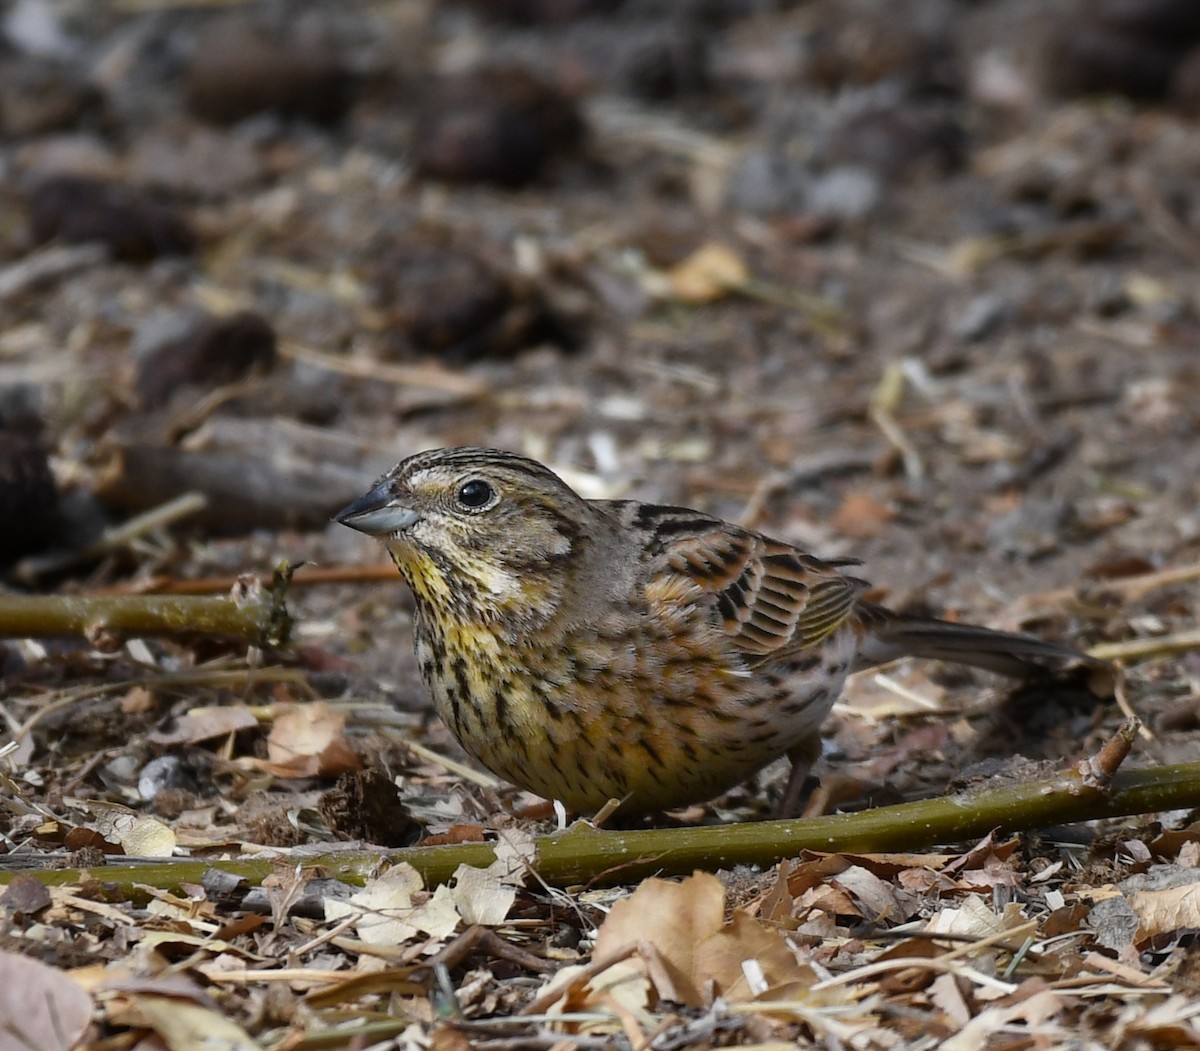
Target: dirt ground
[{"x": 913, "y": 282}]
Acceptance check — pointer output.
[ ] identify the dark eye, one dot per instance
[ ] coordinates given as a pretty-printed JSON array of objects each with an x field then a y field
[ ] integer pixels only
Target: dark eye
[{"x": 476, "y": 494}]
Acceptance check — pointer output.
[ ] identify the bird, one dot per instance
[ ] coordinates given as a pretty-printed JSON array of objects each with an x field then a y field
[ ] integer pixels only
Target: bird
[{"x": 598, "y": 650}]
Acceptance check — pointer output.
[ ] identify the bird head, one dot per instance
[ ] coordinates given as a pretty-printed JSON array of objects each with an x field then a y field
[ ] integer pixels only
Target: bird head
[{"x": 479, "y": 534}]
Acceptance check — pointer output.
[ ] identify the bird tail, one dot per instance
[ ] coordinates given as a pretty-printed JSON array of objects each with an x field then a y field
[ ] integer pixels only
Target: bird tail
[{"x": 1018, "y": 656}]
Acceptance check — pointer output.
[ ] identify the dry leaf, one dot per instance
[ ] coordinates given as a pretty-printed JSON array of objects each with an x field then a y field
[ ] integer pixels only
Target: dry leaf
[
  {"x": 861, "y": 516},
  {"x": 148, "y": 838},
  {"x": 1166, "y": 911},
  {"x": 482, "y": 896},
  {"x": 187, "y": 1026},
  {"x": 976, "y": 920},
  {"x": 40, "y": 1007},
  {"x": 689, "y": 951},
  {"x": 709, "y": 273},
  {"x": 878, "y": 901},
  {"x": 387, "y": 914},
  {"x": 307, "y": 740},
  {"x": 138, "y": 701},
  {"x": 203, "y": 724},
  {"x": 144, "y": 837}
]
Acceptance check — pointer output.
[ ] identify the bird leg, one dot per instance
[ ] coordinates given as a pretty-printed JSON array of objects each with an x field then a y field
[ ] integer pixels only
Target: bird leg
[{"x": 803, "y": 756}]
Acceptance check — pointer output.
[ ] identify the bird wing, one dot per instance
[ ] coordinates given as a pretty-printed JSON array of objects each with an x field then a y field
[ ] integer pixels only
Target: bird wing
[{"x": 773, "y": 600}]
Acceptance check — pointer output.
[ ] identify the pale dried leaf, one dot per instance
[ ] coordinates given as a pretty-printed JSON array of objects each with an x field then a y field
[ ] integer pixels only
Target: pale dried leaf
[
  {"x": 1166, "y": 911},
  {"x": 187, "y": 1026},
  {"x": 976, "y": 920},
  {"x": 40, "y": 1007},
  {"x": 624, "y": 986},
  {"x": 877, "y": 899},
  {"x": 709, "y": 273},
  {"x": 387, "y": 912},
  {"x": 482, "y": 896},
  {"x": 439, "y": 916},
  {"x": 382, "y": 906},
  {"x": 203, "y": 724},
  {"x": 148, "y": 837},
  {"x": 138, "y": 836}
]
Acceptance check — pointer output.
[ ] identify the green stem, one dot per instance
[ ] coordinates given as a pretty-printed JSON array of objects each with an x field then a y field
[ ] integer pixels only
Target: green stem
[
  {"x": 262, "y": 619},
  {"x": 583, "y": 854}
]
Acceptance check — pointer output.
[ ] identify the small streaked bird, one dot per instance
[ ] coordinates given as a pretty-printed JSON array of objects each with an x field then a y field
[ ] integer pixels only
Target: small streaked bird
[{"x": 590, "y": 650}]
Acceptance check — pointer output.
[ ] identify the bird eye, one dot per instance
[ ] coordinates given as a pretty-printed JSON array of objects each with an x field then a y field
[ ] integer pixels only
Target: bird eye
[{"x": 476, "y": 494}]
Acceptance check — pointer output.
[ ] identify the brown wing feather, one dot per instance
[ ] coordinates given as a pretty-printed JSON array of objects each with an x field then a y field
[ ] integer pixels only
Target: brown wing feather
[{"x": 772, "y": 599}]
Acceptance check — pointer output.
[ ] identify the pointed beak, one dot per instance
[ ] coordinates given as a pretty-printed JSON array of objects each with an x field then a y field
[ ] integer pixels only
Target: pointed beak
[{"x": 377, "y": 512}]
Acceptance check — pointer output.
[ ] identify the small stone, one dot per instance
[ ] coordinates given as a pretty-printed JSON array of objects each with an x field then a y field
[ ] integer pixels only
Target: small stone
[
  {"x": 982, "y": 317},
  {"x": 449, "y": 301},
  {"x": 79, "y": 210},
  {"x": 28, "y": 496},
  {"x": 767, "y": 181},
  {"x": 847, "y": 194},
  {"x": 543, "y": 12},
  {"x": 210, "y": 352},
  {"x": 237, "y": 71},
  {"x": 195, "y": 161},
  {"x": 1094, "y": 60},
  {"x": 500, "y": 125},
  {"x": 163, "y": 773}
]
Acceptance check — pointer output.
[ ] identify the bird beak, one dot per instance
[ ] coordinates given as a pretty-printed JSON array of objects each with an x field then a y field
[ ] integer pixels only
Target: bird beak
[{"x": 377, "y": 513}]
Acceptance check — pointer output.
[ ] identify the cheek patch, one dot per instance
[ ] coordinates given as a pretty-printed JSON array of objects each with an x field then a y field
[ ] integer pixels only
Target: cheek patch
[{"x": 558, "y": 544}]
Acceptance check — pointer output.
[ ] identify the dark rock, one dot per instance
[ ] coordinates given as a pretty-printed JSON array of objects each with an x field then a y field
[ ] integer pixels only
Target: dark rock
[
  {"x": 446, "y": 300},
  {"x": 1082, "y": 59},
  {"x": 499, "y": 125},
  {"x": 543, "y": 12},
  {"x": 166, "y": 772},
  {"x": 1185, "y": 85},
  {"x": 134, "y": 227},
  {"x": 212, "y": 352},
  {"x": 450, "y": 299},
  {"x": 1168, "y": 20},
  {"x": 28, "y": 497},
  {"x": 237, "y": 71},
  {"x": 664, "y": 61},
  {"x": 862, "y": 42}
]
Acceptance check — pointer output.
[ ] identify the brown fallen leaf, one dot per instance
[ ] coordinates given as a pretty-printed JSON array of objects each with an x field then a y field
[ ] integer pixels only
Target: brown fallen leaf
[
  {"x": 861, "y": 516},
  {"x": 206, "y": 723},
  {"x": 185, "y": 1026},
  {"x": 306, "y": 740},
  {"x": 1166, "y": 911},
  {"x": 40, "y": 1007},
  {"x": 696, "y": 955},
  {"x": 137, "y": 836},
  {"x": 709, "y": 273}
]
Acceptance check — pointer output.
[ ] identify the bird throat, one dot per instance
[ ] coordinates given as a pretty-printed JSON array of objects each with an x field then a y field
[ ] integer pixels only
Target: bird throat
[{"x": 470, "y": 589}]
